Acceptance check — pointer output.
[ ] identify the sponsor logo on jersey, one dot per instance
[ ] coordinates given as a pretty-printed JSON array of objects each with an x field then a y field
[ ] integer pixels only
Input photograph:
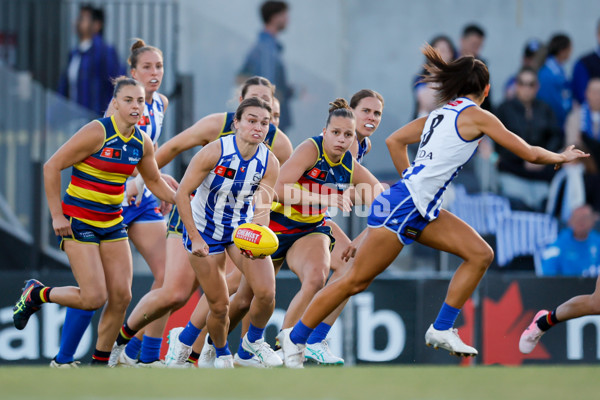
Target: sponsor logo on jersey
[
  {"x": 318, "y": 174},
  {"x": 249, "y": 235},
  {"x": 111, "y": 153},
  {"x": 144, "y": 120},
  {"x": 225, "y": 172},
  {"x": 455, "y": 103}
]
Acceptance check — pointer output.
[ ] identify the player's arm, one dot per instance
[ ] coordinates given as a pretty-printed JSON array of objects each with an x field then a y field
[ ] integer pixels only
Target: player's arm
[
  {"x": 149, "y": 171},
  {"x": 282, "y": 147},
  {"x": 367, "y": 187},
  {"x": 488, "y": 123},
  {"x": 88, "y": 140},
  {"x": 201, "y": 133},
  {"x": 398, "y": 142},
  {"x": 304, "y": 158},
  {"x": 200, "y": 166},
  {"x": 264, "y": 194}
]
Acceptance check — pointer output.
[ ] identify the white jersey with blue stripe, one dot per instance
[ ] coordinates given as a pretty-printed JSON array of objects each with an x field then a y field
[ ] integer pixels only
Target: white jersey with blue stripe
[
  {"x": 441, "y": 154},
  {"x": 152, "y": 119},
  {"x": 223, "y": 200},
  {"x": 362, "y": 150}
]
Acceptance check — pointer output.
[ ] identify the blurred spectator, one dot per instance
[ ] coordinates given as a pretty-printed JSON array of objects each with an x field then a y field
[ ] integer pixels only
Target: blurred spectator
[
  {"x": 471, "y": 42},
  {"x": 533, "y": 57},
  {"x": 526, "y": 184},
  {"x": 425, "y": 95},
  {"x": 264, "y": 59},
  {"x": 576, "y": 251},
  {"x": 586, "y": 67},
  {"x": 92, "y": 64},
  {"x": 554, "y": 85},
  {"x": 583, "y": 130}
]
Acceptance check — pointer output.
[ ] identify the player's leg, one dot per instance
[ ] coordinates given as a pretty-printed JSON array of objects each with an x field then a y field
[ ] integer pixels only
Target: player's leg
[
  {"x": 450, "y": 234},
  {"x": 179, "y": 284},
  {"x": 149, "y": 238},
  {"x": 210, "y": 272},
  {"x": 309, "y": 259},
  {"x": 575, "y": 307},
  {"x": 260, "y": 277},
  {"x": 118, "y": 271},
  {"x": 378, "y": 250}
]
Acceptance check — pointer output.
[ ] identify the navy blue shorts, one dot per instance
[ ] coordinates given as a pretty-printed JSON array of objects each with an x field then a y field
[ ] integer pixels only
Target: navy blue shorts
[
  {"x": 214, "y": 246},
  {"x": 85, "y": 233},
  {"x": 174, "y": 224},
  {"x": 395, "y": 210},
  {"x": 147, "y": 211},
  {"x": 286, "y": 240}
]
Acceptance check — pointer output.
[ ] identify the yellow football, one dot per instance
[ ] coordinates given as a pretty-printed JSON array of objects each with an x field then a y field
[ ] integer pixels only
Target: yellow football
[{"x": 256, "y": 240}]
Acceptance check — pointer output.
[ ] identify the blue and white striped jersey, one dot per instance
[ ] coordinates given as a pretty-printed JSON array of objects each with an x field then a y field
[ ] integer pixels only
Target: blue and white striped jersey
[
  {"x": 362, "y": 150},
  {"x": 152, "y": 119},
  {"x": 442, "y": 153},
  {"x": 223, "y": 200}
]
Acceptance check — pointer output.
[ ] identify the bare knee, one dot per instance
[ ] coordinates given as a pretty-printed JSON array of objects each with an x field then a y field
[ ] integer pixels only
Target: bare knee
[
  {"x": 93, "y": 300},
  {"x": 265, "y": 295},
  {"x": 483, "y": 256},
  {"x": 315, "y": 280},
  {"x": 120, "y": 298},
  {"x": 219, "y": 309},
  {"x": 241, "y": 302},
  {"x": 175, "y": 299},
  {"x": 354, "y": 286}
]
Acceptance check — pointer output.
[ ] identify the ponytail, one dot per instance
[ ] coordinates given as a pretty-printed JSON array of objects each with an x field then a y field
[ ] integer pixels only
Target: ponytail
[{"x": 460, "y": 77}]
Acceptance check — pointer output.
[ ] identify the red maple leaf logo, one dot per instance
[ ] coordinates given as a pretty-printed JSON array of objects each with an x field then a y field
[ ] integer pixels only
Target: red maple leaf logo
[{"x": 503, "y": 323}]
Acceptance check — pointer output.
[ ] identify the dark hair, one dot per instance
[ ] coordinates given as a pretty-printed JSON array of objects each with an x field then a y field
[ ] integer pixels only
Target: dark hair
[
  {"x": 137, "y": 49},
  {"x": 271, "y": 8},
  {"x": 251, "y": 102},
  {"x": 473, "y": 29},
  {"x": 96, "y": 14},
  {"x": 339, "y": 108},
  {"x": 558, "y": 43},
  {"x": 121, "y": 81},
  {"x": 257, "y": 80},
  {"x": 444, "y": 38},
  {"x": 460, "y": 77},
  {"x": 363, "y": 94}
]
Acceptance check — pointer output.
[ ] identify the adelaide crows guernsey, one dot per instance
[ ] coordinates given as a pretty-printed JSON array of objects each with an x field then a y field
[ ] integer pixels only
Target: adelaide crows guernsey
[
  {"x": 97, "y": 185},
  {"x": 324, "y": 177},
  {"x": 224, "y": 198},
  {"x": 441, "y": 154}
]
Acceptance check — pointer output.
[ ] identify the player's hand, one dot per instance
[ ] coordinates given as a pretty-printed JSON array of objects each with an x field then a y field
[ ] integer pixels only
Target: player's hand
[
  {"x": 165, "y": 207},
  {"x": 173, "y": 184},
  {"x": 570, "y": 154},
  {"x": 131, "y": 190},
  {"x": 349, "y": 253},
  {"x": 249, "y": 255},
  {"x": 341, "y": 201},
  {"x": 139, "y": 184},
  {"x": 62, "y": 226},
  {"x": 199, "y": 248}
]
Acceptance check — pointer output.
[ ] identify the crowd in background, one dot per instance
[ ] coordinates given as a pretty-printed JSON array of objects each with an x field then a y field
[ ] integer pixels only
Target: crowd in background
[{"x": 543, "y": 103}]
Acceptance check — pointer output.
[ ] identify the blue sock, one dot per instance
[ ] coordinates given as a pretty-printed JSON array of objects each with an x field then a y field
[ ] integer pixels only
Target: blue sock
[
  {"x": 446, "y": 317},
  {"x": 76, "y": 322},
  {"x": 255, "y": 333},
  {"x": 319, "y": 334},
  {"x": 243, "y": 354},
  {"x": 223, "y": 351},
  {"x": 300, "y": 333},
  {"x": 189, "y": 335},
  {"x": 133, "y": 348},
  {"x": 150, "y": 349}
]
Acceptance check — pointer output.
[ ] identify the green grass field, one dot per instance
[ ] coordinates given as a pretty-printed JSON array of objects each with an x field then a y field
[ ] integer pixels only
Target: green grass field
[{"x": 364, "y": 383}]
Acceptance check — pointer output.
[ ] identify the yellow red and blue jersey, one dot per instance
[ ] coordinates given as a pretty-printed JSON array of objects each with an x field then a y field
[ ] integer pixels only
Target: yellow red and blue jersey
[
  {"x": 97, "y": 186},
  {"x": 228, "y": 129},
  {"x": 324, "y": 177}
]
